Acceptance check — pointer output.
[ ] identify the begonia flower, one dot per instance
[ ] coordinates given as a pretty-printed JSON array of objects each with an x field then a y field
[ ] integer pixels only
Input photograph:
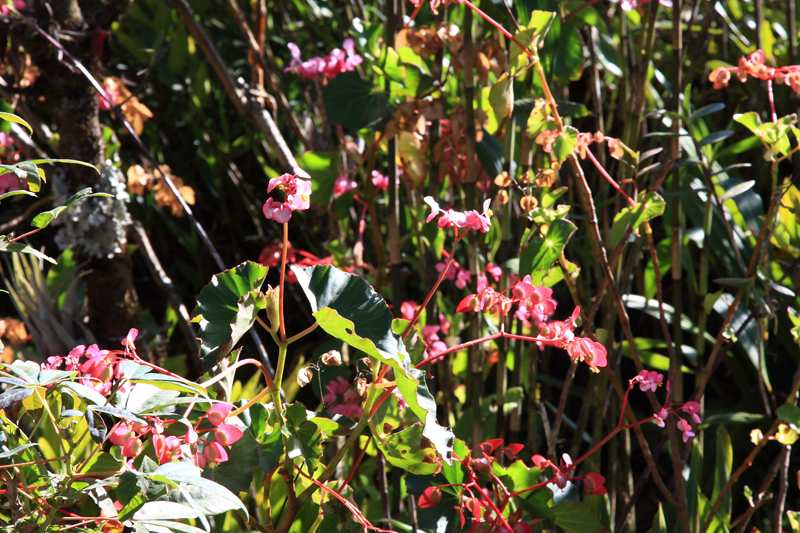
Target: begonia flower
[
  {"x": 593, "y": 484},
  {"x": 227, "y": 434},
  {"x": 215, "y": 453},
  {"x": 693, "y": 408},
  {"x": 684, "y": 426},
  {"x": 298, "y": 197},
  {"x": 219, "y": 412}
]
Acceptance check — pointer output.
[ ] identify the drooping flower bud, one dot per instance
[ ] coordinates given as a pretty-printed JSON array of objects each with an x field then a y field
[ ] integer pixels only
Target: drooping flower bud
[
  {"x": 219, "y": 412},
  {"x": 215, "y": 453},
  {"x": 227, "y": 434},
  {"x": 304, "y": 376}
]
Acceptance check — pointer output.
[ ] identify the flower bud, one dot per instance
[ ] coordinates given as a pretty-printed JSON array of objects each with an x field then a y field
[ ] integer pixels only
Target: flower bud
[
  {"x": 219, "y": 412},
  {"x": 132, "y": 448},
  {"x": 227, "y": 434},
  {"x": 332, "y": 358},
  {"x": 273, "y": 296},
  {"x": 304, "y": 376}
]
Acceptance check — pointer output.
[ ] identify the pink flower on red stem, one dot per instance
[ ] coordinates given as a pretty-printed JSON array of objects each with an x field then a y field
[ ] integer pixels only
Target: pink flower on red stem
[
  {"x": 693, "y": 408},
  {"x": 132, "y": 447},
  {"x": 455, "y": 219},
  {"x": 593, "y": 484},
  {"x": 330, "y": 66},
  {"x": 593, "y": 353},
  {"x": 121, "y": 433},
  {"x": 342, "y": 185},
  {"x": 456, "y": 272},
  {"x": 659, "y": 417},
  {"x": 648, "y": 380},
  {"x": 298, "y": 197},
  {"x": 684, "y": 426}
]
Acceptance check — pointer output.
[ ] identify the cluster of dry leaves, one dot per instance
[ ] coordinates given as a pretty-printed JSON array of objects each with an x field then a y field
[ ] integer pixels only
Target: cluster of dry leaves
[
  {"x": 135, "y": 112},
  {"x": 141, "y": 179}
]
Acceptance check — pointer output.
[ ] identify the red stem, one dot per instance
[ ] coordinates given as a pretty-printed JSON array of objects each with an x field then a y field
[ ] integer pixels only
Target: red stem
[
  {"x": 494, "y": 23},
  {"x": 608, "y": 177},
  {"x": 435, "y": 286},
  {"x": 355, "y": 465}
]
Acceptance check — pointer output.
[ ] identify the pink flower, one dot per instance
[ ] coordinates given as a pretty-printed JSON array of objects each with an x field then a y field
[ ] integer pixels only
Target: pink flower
[
  {"x": 330, "y": 66},
  {"x": 349, "y": 402},
  {"x": 494, "y": 271},
  {"x": 593, "y": 353},
  {"x": 659, "y": 417},
  {"x": 298, "y": 198},
  {"x": 408, "y": 310},
  {"x": 132, "y": 447},
  {"x": 684, "y": 426},
  {"x": 693, "y": 408},
  {"x": 342, "y": 185},
  {"x": 121, "y": 433},
  {"x": 648, "y": 380},
  {"x": 455, "y": 219},
  {"x": 380, "y": 181}
]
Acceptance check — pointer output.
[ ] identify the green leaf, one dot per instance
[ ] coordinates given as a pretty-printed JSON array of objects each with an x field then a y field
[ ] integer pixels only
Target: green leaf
[
  {"x": 356, "y": 103},
  {"x": 85, "y": 392},
  {"x": 715, "y": 137},
  {"x": 42, "y": 220},
  {"x": 270, "y": 453},
  {"x": 14, "y": 118},
  {"x": 22, "y": 248},
  {"x": 409, "y": 450},
  {"x": 228, "y": 306},
  {"x": 649, "y": 206},
  {"x": 790, "y": 413},
  {"x": 70, "y": 161},
  {"x": 734, "y": 282},
  {"x": 750, "y": 120},
  {"x": 135, "y": 491},
  {"x": 101, "y": 462},
  {"x": 209, "y": 491},
  {"x": 736, "y": 190},
  {"x": 443, "y": 517},
  {"x": 490, "y": 154},
  {"x": 517, "y": 477},
  {"x": 501, "y": 96},
  {"x": 707, "y": 110},
  {"x": 16, "y": 193},
  {"x": 348, "y": 308},
  {"x": 565, "y": 143},
  {"x": 575, "y": 517},
  {"x": 323, "y": 167},
  {"x": 568, "y": 61},
  {"x": 659, "y": 522},
  {"x": 236, "y": 474},
  {"x": 722, "y": 472},
  {"x": 607, "y": 55},
  {"x": 538, "y": 257},
  {"x": 304, "y": 436}
]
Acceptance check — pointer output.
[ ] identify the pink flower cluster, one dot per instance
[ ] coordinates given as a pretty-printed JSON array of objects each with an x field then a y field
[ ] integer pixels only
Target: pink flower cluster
[
  {"x": 330, "y": 66},
  {"x": 100, "y": 369},
  {"x": 351, "y": 404},
  {"x": 430, "y": 334},
  {"x": 456, "y": 273},
  {"x": 380, "y": 181},
  {"x": 298, "y": 198},
  {"x": 649, "y": 380},
  {"x": 455, "y": 219},
  {"x": 538, "y": 303},
  {"x": 753, "y": 65},
  {"x": 131, "y": 436}
]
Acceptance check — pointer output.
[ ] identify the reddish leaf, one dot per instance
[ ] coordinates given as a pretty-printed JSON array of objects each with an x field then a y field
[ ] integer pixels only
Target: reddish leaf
[
  {"x": 512, "y": 450},
  {"x": 490, "y": 446},
  {"x": 430, "y": 498}
]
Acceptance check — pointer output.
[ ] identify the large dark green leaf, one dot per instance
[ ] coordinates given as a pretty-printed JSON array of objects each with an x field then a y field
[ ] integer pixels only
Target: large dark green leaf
[
  {"x": 490, "y": 154},
  {"x": 236, "y": 474},
  {"x": 568, "y": 62},
  {"x": 227, "y": 308},
  {"x": 442, "y": 518},
  {"x": 348, "y": 308},
  {"x": 355, "y": 103},
  {"x": 538, "y": 257}
]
